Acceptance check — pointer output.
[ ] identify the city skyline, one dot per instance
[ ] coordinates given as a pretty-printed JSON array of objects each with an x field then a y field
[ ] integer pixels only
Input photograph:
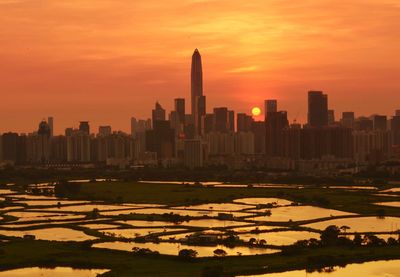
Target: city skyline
[{"x": 105, "y": 70}]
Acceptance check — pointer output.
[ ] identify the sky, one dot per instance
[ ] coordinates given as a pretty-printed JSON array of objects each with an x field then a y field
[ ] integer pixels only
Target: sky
[{"x": 108, "y": 60}]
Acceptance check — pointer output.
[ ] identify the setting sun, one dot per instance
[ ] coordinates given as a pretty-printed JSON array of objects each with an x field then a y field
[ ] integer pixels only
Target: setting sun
[{"x": 256, "y": 111}]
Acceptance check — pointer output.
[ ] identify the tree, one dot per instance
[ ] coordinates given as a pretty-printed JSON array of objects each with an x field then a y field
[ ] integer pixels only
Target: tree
[
  {"x": 187, "y": 254},
  {"x": 330, "y": 235},
  {"x": 220, "y": 253},
  {"x": 357, "y": 240}
]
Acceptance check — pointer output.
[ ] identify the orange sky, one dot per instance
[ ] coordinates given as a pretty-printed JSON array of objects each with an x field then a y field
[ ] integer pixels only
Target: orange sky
[{"x": 107, "y": 60}]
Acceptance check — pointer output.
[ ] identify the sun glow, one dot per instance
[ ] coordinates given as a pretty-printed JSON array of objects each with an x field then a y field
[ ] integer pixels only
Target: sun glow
[{"x": 256, "y": 111}]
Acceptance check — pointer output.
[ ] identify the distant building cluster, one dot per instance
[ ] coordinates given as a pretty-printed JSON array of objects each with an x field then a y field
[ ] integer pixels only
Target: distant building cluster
[{"x": 200, "y": 139}]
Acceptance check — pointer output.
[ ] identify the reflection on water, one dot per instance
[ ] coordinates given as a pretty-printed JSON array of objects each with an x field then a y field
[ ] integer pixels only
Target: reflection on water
[
  {"x": 143, "y": 223},
  {"x": 297, "y": 213},
  {"x": 281, "y": 238},
  {"x": 392, "y": 190},
  {"x": 57, "y": 234},
  {"x": 263, "y": 201},
  {"x": 132, "y": 233},
  {"x": 362, "y": 224},
  {"x": 52, "y": 272},
  {"x": 30, "y": 216},
  {"x": 217, "y": 206},
  {"x": 389, "y": 204},
  {"x": 88, "y": 208},
  {"x": 369, "y": 269},
  {"x": 168, "y": 248},
  {"x": 212, "y": 223}
]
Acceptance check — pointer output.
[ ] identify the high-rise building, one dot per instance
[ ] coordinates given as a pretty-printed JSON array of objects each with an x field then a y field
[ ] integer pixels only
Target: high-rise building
[
  {"x": 331, "y": 117},
  {"x": 158, "y": 114},
  {"x": 84, "y": 127},
  {"x": 395, "y": 129},
  {"x": 50, "y": 121},
  {"x": 180, "y": 109},
  {"x": 317, "y": 109},
  {"x": 139, "y": 126},
  {"x": 104, "y": 130},
  {"x": 197, "y": 98},
  {"x": 243, "y": 122},
  {"x": 193, "y": 153},
  {"x": 397, "y": 113},
  {"x": 275, "y": 123},
  {"x": 221, "y": 119},
  {"x": 379, "y": 122},
  {"x": 270, "y": 106},
  {"x": 347, "y": 119}
]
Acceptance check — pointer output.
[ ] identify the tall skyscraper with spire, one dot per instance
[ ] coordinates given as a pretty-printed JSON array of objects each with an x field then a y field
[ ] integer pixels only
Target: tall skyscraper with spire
[{"x": 198, "y": 100}]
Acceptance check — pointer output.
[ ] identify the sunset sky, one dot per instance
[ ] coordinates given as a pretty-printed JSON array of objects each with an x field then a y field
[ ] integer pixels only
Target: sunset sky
[{"x": 107, "y": 60}]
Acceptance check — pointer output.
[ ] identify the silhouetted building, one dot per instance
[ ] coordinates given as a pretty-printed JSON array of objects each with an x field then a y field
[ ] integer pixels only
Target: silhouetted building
[
  {"x": 158, "y": 114},
  {"x": 84, "y": 127},
  {"x": 50, "y": 121},
  {"x": 244, "y": 122},
  {"x": 275, "y": 123},
  {"x": 380, "y": 122},
  {"x": 395, "y": 129},
  {"x": 363, "y": 124},
  {"x": 197, "y": 98},
  {"x": 193, "y": 153},
  {"x": 105, "y": 130},
  {"x": 331, "y": 117},
  {"x": 258, "y": 129},
  {"x": 317, "y": 109},
  {"x": 270, "y": 106},
  {"x": 221, "y": 120},
  {"x": 347, "y": 119},
  {"x": 161, "y": 140}
]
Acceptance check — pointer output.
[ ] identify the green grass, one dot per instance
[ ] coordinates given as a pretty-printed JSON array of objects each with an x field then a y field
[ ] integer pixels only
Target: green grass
[
  {"x": 351, "y": 201},
  {"x": 23, "y": 253}
]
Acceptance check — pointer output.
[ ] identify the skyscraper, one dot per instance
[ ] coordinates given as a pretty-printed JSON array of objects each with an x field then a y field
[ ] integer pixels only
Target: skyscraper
[
  {"x": 271, "y": 106},
  {"x": 158, "y": 114},
  {"x": 50, "y": 121},
  {"x": 317, "y": 109},
  {"x": 84, "y": 127},
  {"x": 198, "y": 100}
]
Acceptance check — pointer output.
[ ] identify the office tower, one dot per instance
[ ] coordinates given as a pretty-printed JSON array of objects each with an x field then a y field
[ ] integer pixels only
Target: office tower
[
  {"x": 331, "y": 117},
  {"x": 43, "y": 142},
  {"x": 193, "y": 153},
  {"x": 79, "y": 146},
  {"x": 84, "y": 127},
  {"x": 180, "y": 109},
  {"x": 208, "y": 123},
  {"x": 69, "y": 131},
  {"x": 317, "y": 109},
  {"x": 270, "y": 106},
  {"x": 9, "y": 147},
  {"x": 395, "y": 129},
  {"x": 363, "y": 124},
  {"x": 244, "y": 143},
  {"x": 231, "y": 121},
  {"x": 243, "y": 122},
  {"x": 347, "y": 119},
  {"x": 50, "y": 121},
  {"x": 161, "y": 139},
  {"x": 158, "y": 114},
  {"x": 139, "y": 126},
  {"x": 379, "y": 122},
  {"x": 397, "y": 113},
  {"x": 221, "y": 119},
  {"x": 291, "y": 140},
  {"x": 105, "y": 130},
  {"x": 258, "y": 129},
  {"x": 197, "y": 98},
  {"x": 196, "y": 79},
  {"x": 58, "y": 149},
  {"x": 275, "y": 123}
]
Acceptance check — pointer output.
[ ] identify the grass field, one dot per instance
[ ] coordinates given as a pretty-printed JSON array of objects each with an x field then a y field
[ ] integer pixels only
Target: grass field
[
  {"x": 22, "y": 253},
  {"x": 359, "y": 201}
]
